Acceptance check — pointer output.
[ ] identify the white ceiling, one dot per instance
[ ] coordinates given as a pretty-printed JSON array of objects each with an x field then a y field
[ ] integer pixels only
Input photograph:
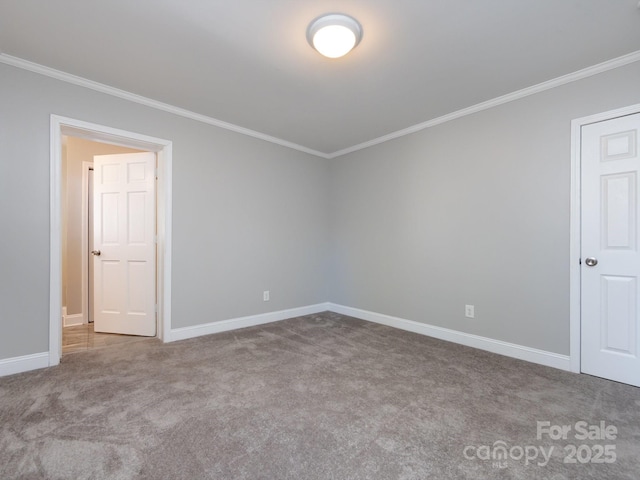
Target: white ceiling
[{"x": 247, "y": 62}]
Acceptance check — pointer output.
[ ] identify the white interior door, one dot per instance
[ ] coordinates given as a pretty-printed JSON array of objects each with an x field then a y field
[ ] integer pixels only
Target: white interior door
[
  {"x": 610, "y": 333},
  {"x": 124, "y": 247}
]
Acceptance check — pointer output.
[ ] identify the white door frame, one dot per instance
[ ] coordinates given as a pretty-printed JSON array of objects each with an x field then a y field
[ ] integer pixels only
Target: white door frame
[
  {"x": 575, "y": 227},
  {"x": 84, "y": 225},
  {"x": 99, "y": 133}
]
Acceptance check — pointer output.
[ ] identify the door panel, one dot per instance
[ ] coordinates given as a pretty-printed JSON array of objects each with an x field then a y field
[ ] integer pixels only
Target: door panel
[
  {"x": 618, "y": 312},
  {"x": 610, "y": 332},
  {"x": 619, "y": 211},
  {"x": 124, "y": 233}
]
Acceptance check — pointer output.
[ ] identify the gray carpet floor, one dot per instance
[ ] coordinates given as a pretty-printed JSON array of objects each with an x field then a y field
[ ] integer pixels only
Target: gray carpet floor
[{"x": 316, "y": 397}]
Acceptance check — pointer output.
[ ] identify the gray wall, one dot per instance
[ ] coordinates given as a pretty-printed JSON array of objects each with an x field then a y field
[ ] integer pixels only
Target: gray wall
[
  {"x": 474, "y": 211},
  {"x": 247, "y": 215}
]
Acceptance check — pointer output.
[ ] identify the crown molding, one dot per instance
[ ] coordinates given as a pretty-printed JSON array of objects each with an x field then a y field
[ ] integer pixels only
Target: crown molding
[
  {"x": 165, "y": 107},
  {"x": 510, "y": 97}
]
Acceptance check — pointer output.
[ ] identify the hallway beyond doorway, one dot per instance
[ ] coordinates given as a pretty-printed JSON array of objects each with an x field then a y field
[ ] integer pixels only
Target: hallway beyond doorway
[{"x": 81, "y": 338}]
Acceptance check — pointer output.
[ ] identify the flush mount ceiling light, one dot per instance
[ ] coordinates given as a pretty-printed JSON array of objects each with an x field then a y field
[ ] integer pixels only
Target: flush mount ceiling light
[{"x": 334, "y": 35}]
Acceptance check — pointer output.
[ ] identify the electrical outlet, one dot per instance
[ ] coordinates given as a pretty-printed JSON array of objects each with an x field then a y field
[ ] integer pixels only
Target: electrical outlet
[
  {"x": 265, "y": 296},
  {"x": 470, "y": 311}
]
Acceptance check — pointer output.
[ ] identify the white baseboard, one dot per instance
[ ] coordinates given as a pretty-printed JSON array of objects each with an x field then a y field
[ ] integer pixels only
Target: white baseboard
[
  {"x": 9, "y": 366},
  {"x": 72, "y": 320},
  {"x": 521, "y": 352},
  {"x": 243, "y": 322}
]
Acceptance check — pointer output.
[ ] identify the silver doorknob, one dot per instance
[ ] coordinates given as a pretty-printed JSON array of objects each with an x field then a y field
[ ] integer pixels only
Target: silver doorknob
[
  {"x": 95, "y": 252},
  {"x": 591, "y": 261}
]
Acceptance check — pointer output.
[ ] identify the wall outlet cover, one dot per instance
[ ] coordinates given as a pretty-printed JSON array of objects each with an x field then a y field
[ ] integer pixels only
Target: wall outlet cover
[{"x": 470, "y": 311}]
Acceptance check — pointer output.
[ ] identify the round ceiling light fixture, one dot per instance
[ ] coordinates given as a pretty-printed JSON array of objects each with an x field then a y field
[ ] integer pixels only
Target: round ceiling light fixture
[{"x": 334, "y": 35}]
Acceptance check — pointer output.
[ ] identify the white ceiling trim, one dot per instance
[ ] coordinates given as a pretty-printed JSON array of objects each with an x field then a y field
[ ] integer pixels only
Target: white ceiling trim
[
  {"x": 510, "y": 97},
  {"x": 132, "y": 97},
  {"x": 116, "y": 92}
]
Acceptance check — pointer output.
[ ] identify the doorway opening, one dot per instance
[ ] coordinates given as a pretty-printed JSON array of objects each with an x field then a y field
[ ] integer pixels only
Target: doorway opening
[
  {"x": 79, "y": 332},
  {"x": 106, "y": 138}
]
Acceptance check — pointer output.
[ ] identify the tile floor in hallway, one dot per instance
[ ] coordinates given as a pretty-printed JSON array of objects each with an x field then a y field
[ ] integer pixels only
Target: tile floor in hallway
[{"x": 80, "y": 338}]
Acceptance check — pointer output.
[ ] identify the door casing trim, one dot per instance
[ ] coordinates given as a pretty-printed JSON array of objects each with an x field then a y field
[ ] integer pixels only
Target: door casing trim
[
  {"x": 575, "y": 226},
  {"x": 60, "y": 126}
]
